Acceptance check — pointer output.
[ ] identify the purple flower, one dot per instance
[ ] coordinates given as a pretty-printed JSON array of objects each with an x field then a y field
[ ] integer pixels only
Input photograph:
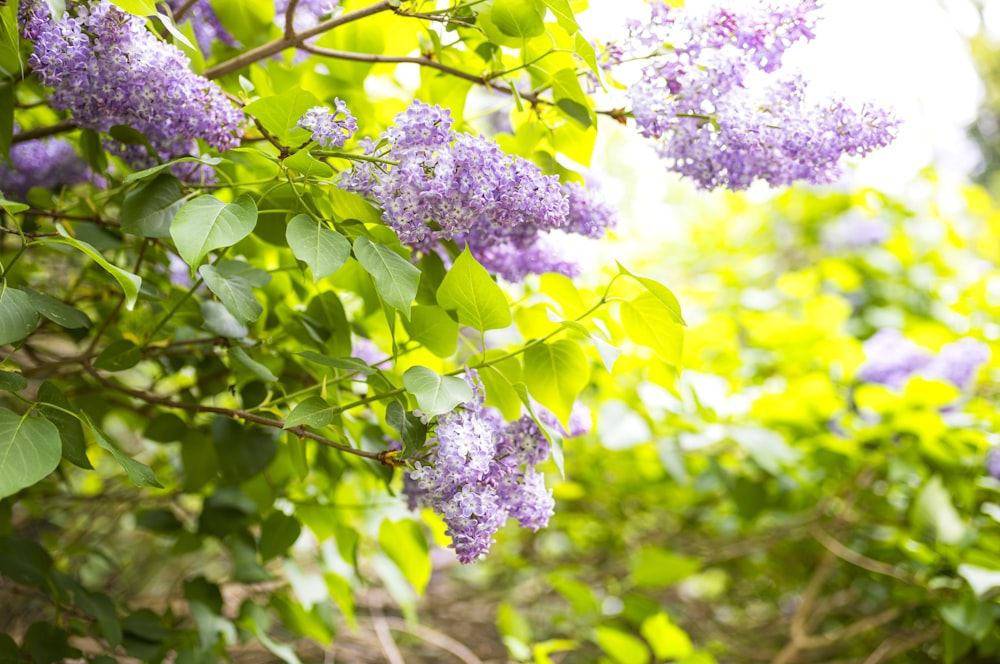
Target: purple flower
[
  {"x": 365, "y": 350},
  {"x": 891, "y": 359},
  {"x": 477, "y": 471},
  {"x": 446, "y": 185},
  {"x": 326, "y": 129},
  {"x": 107, "y": 69},
  {"x": 46, "y": 162},
  {"x": 854, "y": 231},
  {"x": 717, "y": 115},
  {"x": 589, "y": 214},
  {"x": 993, "y": 463},
  {"x": 958, "y": 362}
]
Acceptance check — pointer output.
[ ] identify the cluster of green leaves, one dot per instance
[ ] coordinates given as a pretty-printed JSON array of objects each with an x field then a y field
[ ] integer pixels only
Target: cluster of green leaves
[
  {"x": 184, "y": 418},
  {"x": 770, "y": 504}
]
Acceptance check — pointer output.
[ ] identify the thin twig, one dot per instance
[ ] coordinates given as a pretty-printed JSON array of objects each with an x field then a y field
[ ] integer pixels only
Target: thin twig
[
  {"x": 41, "y": 132},
  {"x": 183, "y": 10},
  {"x": 858, "y": 560},
  {"x": 389, "y": 648},
  {"x": 234, "y": 413},
  {"x": 895, "y": 645},
  {"x": 277, "y": 46},
  {"x": 435, "y": 638}
]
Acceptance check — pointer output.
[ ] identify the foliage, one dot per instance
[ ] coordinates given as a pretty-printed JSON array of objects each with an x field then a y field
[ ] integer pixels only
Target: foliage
[{"x": 222, "y": 364}]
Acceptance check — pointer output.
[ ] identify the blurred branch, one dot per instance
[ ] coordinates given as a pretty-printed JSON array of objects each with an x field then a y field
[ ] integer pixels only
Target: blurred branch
[
  {"x": 858, "y": 560},
  {"x": 435, "y": 638},
  {"x": 900, "y": 643}
]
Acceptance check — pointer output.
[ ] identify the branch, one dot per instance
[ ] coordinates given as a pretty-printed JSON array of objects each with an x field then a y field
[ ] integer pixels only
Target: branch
[
  {"x": 288, "y": 41},
  {"x": 41, "y": 132},
  {"x": 234, "y": 413},
  {"x": 897, "y": 645},
  {"x": 858, "y": 560}
]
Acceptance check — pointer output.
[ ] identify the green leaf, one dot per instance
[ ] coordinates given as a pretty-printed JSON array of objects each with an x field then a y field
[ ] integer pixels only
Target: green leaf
[
  {"x": 58, "y": 312},
  {"x": 277, "y": 533},
  {"x": 405, "y": 544},
  {"x": 159, "y": 520},
  {"x": 436, "y": 394},
  {"x": 659, "y": 291},
  {"x": 564, "y": 14},
  {"x": 255, "y": 367},
  {"x": 219, "y": 321},
  {"x": 313, "y": 412},
  {"x": 621, "y": 646},
  {"x": 518, "y": 18},
  {"x": 7, "y": 102},
  {"x": 206, "y": 223},
  {"x": 149, "y": 209},
  {"x": 412, "y": 431},
  {"x": 345, "y": 363},
  {"x": 140, "y": 474},
  {"x": 129, "y": 282},
  {"x": 74, "y": 445},
  {"x": 653, "y": 567},
  {"x": 309, "y": 166},
  {"x": 982, "y": 581},
  {"x": 434, "y": 329},
  {"x": 138, "y": 7},
  {"x": 17, "y": 317},
  {"x": 12, "y": 382},
  {"x": 119, "y": 356},
  {"x": 667, "y": 639},
  {"x": 47, "y": 643},
  {"x": 153, "y": 171},
  {"x": 469, "y": 290},
  {"x": 649, "y": 323},
  {"x": 165, "y": 428},
  {"x": 570, "y": 98},
  {"x": 29, "y": 450},
  {"x": 934, "y": 511},
  {"x": 322, "y": 249},
  {"x": 556, "y": 373},
  {"x": 585, "y": 50},
  {"x": 281, "y": 113},
  {"x": 396, "y": 279},
  {"x": 12, "y": 206},
  {"x": 236, "y": 294}
]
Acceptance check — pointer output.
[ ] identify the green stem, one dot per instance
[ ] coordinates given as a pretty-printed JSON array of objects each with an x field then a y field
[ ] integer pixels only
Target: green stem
[
  {"x": 355, "y": 157},
  {"x": 173, "y": 310}
]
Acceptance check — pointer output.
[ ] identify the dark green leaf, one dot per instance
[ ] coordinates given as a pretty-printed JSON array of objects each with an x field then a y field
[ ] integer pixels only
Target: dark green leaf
[
  {"x": 58, "y": 312},
  {"x": 140, "y": 474},
  {"x": 236, "y": 294},
  {"x": 255, "y": 367},
  {"x": 17, "y": 316},
  {"x": 119, "y": 356},
  {"x": 277, "y": 533},
  {"x": 313, "y": 412},
  {"x": 345, "y": 363},
  {"x": 46, "y": 643},
  {"x": 219, "y": 321},
  {"x": 12, "y": 382},
  {"x": 74, "y": 445},
  {"x": 129, "y": 282},
  {"x": 165, "y": 428},
  {"x": 150, "y": 208},
  {"x": 159, "y": 520},
  {"x": 412, "y": 431},
  {"x": 30, "y": 449}
]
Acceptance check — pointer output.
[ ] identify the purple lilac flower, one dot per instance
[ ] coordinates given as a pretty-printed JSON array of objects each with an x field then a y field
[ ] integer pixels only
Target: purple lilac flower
[
  {"x": 206, "y": 25},
  {"x": 581, "y": 421},
  {"x": 365, "y": 350},
  {"x": 326, "y": 129},
  {"x": 514, "y": 262},
  {"x": 307, "y": 13},
  {"x": 46, "y": 162},
  {"x": 855, "y": 231},
  {"x": 589, "y": 214},
  {"x": 447, "y": 184},
  {"x": 478, "y": 471},
  {"x": 718, "y": 117},
  {"x": 958, "y": 362},
  {"x": 891, "y": 359},
  {"x": 993, "y": 463},
  {"x": 107, "y": 69}
]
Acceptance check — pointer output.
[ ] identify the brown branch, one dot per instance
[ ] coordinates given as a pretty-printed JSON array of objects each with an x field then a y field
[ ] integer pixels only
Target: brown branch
[
  {"x": 897, "y": 645},
  {"x": 41, "y": 132},
  {"x": 277, "y": 46},
  {"x": 290, "y": 18},
  {"x": 858, "y": 560},
  {"x": 234, "y": 413},
  {"x": 183, "y": 10}
]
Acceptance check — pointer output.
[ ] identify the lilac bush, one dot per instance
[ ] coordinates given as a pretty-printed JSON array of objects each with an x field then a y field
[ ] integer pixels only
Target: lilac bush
[
  {"x": 711, "y": 101},
  {"x": 891, "y": 359},
  {"x": 107, "y": 69},
  {"x": 46, "y": 162}
]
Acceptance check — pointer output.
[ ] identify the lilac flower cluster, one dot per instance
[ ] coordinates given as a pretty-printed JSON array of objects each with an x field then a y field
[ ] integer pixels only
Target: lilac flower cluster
[
  {"x": 47, "y": 162},
  {"x": 326, "y": 129},
  {"x": 854, "y": 231},
  {"x": 717, "y": 117},
  {"x": 891, "y": 359},
  {"x": 478, "y": 471},
  {"x": 441, "y": 185},
  {"x": 107, "y": 69}
]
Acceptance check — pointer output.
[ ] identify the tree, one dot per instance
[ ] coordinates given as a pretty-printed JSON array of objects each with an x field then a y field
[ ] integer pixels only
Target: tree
[{"x": 257, "y": 279}]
